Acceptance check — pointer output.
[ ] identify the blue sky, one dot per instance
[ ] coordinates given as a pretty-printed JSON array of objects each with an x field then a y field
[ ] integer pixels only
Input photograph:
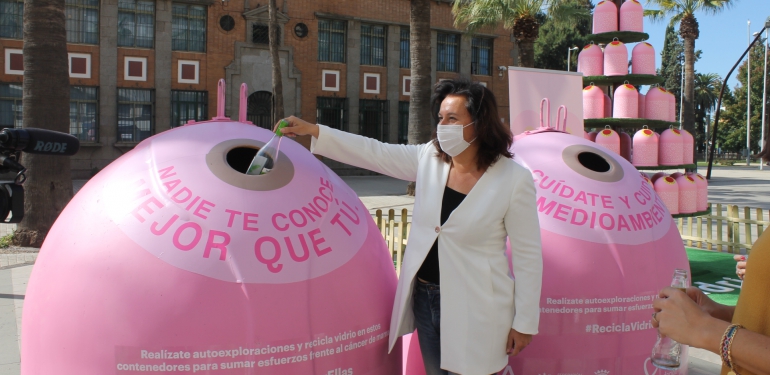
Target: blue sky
[{"x": 723, "y": 37}]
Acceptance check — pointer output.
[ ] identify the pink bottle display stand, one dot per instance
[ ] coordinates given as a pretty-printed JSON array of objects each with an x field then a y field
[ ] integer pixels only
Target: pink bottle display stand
[
  {"x": 631, "y": 17},
  {"x": 626, "y": 102},
  {"x": 688, "y": 194},
  {"x": 645, "y": 148},
  {"x": 703, "y": 194},
  {"x": 593, "y": 102},
  {"x": 656, "y": 104},
  {"x": 170, "y": 257},
  {"x": 591, "y": 61},
  {"x": 670, "y": 148},
  {"x": 583, "y": 316},
  {"x": 615, "y": 59},
  {"x": 605, "y": 17},
  {"x": 609, "y": 139},
  {"x": 668, "y": 191},
  {"x": 688, "y": 144},
  {"x": 642, "y": 58}
]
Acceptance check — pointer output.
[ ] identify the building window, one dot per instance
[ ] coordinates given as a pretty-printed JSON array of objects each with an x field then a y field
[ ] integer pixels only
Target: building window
[
  {"x": 373, "y": 119},
  {"x": 260, "y": 34},
  {"x": 403, "y": 122},
  {"x": 447, "y": 52},
  {"x": 84, "y": 113},
  {"x": 189, "y": 28},
  {"x": 10, "y": 106},
  {"x": 82, "y": 21},
  {"x": 404, "y": 61},
  {"x": 260, "y": 109},
  {"x": 332, "y": 112},
  {"x": 373, "y": 45},
  {"x": 188, "y": 105},
  {"x": 136, "y": 23},
  {"x": 135, "y": 114},
  {"x": 481, "y": 56},
  {"x": 11, "y": 18},
  {"x": 331, "y": 41}
]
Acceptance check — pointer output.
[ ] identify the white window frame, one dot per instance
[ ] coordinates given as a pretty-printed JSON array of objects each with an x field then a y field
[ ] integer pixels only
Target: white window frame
[
  {"x": 8, "y": 70},
  {"x": 403, "y": 86},
  {"x": 197, "y": 64},
  {"x": 87, "y": 56},
  {"x": 323, "y": 80},
  {"x": 128, "y": 59},
  {"x": 372, "y": 75}
]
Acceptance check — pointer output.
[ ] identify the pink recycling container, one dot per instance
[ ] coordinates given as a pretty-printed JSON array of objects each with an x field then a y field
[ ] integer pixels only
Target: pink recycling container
[
  {"x": 640, "y": 106},
  {"x": 676, "y": 175},
  {"x": 625, "y": 145},
  {"x": 597, "y": 216},
  {"x": 591, "y": 61},
  {"x": 688, "y": 194},
  {"x": 656, "y": 104},
  {"x": 702, "y": 203},
  {"x": 668, "y": 191},
  {"x": 592, "y": 136},
  {"x": 688, "y": 146},
  {"x": 625, "y": 102},
  {"x": 670, "y": 147},
  {"x": 643, "y": 58},
  {"x": 671, "y": 106},
  {"x": 658, "y": 175},
  {"x": 605, "y": 17},
  {"x": 609, "y": 139},
  {"x": 607, "y": 106},
  {"x": 647, "y": 180},
  {"x": 631, "y": 16},
  {"x": 615, "y": 59},
  {"x": 645, "y": 149},
  {"x": 593, "y": 102},
  {"x": 173, "y": 260}
]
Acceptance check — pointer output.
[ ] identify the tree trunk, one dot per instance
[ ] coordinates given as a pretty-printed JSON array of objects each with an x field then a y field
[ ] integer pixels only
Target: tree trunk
[
  {"x": 527, "y": 53},
  {"x": 420, "y": 119},
  {"x": 275, "y": 32},
  {"x": 688, "y": 109},
  {"x": 46, "y": 105}
]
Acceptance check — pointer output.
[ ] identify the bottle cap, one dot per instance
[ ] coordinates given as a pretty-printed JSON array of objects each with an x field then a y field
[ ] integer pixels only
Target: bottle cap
[{"x": 281, "y": 124}]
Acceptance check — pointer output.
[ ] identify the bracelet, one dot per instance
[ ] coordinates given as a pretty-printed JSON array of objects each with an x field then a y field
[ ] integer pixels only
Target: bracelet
[{"x": 726, "y": 346}]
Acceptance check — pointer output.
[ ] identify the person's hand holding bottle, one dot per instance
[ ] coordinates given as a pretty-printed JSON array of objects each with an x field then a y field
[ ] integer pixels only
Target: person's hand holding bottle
[{"x": 298, "y": 126}]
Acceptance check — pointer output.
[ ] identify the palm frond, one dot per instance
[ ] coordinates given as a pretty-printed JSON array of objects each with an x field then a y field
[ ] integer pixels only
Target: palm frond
[
  {"x": 565, "y": 13},
  {"x": 655, "y": 15}
]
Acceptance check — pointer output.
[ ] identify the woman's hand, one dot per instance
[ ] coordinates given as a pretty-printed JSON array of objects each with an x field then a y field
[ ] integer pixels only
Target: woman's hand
[
  {"x": 517, "y": 342},
  {"x": 298, "y": 126},
  {"x": 740, "y": 267},
  {"x": 684, "y": 317}
]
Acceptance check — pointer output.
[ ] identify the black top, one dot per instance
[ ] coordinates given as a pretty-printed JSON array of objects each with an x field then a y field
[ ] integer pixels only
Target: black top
[{"x": 429, "y": 270}]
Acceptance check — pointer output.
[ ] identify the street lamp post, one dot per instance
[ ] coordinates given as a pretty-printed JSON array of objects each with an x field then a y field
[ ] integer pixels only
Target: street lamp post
[
  {"x": 764, "y": 103},
  {"x": 748, "y": 99},
  {"x": 569, "y": 56}
]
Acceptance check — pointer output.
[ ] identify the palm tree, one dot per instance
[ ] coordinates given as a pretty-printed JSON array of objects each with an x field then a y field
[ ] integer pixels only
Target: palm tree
[
  {"x": 519, "y": 16},
  {"x": 420, "y": 120},
  {"x": 45, "y": 105},
  {"x": 275, "y": 39},
  {"x": 707, "y": 88},
  {"x": 683, "y": 11}
]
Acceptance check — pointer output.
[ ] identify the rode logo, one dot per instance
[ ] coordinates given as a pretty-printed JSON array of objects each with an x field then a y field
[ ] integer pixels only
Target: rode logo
[{"x": 50, "y": 146}]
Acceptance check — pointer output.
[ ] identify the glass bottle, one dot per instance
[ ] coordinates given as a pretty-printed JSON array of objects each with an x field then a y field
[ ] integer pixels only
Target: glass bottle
[
  {"x": 666, "y": 353},
  {"x": 267, "y": 156}
]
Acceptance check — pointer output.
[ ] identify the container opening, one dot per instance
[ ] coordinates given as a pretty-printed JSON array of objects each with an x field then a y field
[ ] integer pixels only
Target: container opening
[
  {"x": 240, "y": 158},
  {"x": 594, "y": 162}
]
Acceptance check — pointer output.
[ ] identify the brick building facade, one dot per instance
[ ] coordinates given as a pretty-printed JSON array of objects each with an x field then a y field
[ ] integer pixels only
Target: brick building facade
[{"x": 139, "y": 67}]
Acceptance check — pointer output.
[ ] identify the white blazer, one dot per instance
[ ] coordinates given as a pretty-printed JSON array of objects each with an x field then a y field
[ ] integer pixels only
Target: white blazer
[{"x": 480, "y": 302}]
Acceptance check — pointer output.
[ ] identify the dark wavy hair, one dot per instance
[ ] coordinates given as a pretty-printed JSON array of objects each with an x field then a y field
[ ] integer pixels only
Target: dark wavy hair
[{"x": 495, "y": 139}]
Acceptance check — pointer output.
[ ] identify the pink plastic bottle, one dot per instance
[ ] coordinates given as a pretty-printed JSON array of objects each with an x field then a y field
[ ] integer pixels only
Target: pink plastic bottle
[
  {"x": 625, "y": 145},
  {"x": 626, "y": 103},
  {"x": 642, "y": 58},
  {"x": 668, "y": 191},
  {"x": 688, "y": 194},
  {"x": 615, "y": 59},
  {"x": 657, "y": 176},
  {"x": 702, "y": 203},
  {"x": 656, "y": 104},
  {"x": 645, "y": 149},
  {"x": 607, "y": 106},
  {"x": 688, "y": 145},
  {"x": 631, "y": 16},
  {"x": 592, "y": 136},
  {"x": 642, "y": 99},
  {"x": 593, "y": 102},
  {"x": 609, "y": 139},
  {"x": 670, "y": 148},
  {"x": 605, "y": 17},
  {"x": 591, "y": 60},
  {"x": 671, "y": 106}
]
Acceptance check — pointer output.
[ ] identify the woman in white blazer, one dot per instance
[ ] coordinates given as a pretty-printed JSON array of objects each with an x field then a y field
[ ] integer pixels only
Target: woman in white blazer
[{"x": 455, "y": 287}]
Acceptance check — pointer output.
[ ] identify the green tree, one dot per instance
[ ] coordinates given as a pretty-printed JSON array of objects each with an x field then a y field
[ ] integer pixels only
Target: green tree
[
  {"x": 555, "y": 38},
  {"x": 45, "y": 105},
  {"x": 707, "y": 88},
  {"x": 519, "y": 16},
  {"x": 671, "y": 60},
  {"x": 683, "y": 12},
  {"x": 420, "y": 120}
]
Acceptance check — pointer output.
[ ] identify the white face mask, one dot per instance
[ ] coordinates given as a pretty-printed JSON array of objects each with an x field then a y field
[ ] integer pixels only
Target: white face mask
[{"x": 451, "y": 140}]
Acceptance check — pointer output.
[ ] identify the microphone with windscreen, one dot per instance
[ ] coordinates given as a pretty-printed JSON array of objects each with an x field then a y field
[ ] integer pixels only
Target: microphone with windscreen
[{"x": 39, "y": 141}]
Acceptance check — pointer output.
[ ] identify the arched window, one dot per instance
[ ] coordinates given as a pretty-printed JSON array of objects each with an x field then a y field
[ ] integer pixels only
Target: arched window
[{"x": 260, "y": 109}]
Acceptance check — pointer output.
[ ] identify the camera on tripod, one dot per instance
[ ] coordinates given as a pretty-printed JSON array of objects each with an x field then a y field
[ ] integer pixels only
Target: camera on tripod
[{"x": 12, "y": 174}]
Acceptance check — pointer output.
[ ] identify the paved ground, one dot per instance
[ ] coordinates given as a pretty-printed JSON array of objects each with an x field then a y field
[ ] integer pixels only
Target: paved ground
[{"x": 729, "y": 185}]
